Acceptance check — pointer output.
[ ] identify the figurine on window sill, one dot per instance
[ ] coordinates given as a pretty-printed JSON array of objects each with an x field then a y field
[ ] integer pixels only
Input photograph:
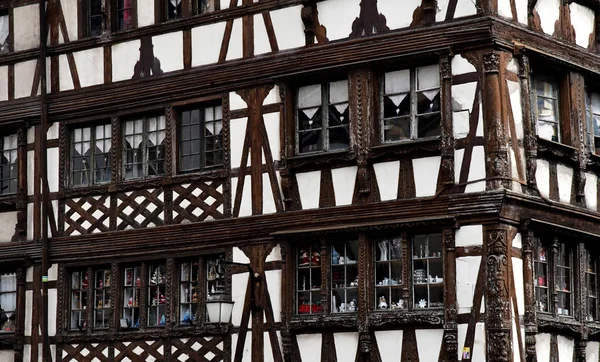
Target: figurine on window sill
[
  {"x": 352, "y": 306},
  {"x": 304, "y": 259},
  {"x": 138, "y": 282},
  {"x": 354, "y": 283},
  {"x": 163, "y": 320},
  {"x": 382, "y": 303},
  {"x": 335, "y": 257},
  {"x": 85, "y": 282},
  {"x": 316, "y": 258}
]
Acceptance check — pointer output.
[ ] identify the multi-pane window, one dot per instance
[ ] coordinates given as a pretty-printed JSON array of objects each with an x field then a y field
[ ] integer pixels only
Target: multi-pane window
[
  {"x": 144, "y": 147},
  {"x": 322, "y": 118},
  {"x": 554, "y": 274},
  {"x": 410, "y": 104},
  {"x": 94, "y": 23},
  {"x": 157, "y": 300},
  {"x": 199, "y": 278},
  {"x": 540, "y": 265},
  {"x": 102, "y": 298},
  {"x": 125, "y": 13},
  {"x": 9, "y": 169},
  {"x": 563, "y": 283},
  {"x": 173, "y": 9},
  {"x": 344, "y": 277},
  {"x": 547, "y": 111},
  {"x": 593, "y": 122},
  {"x": 90, "y": 155},
  {"x": 591, "y": 285},
  {"x": 308, "y": 280},
  {"x": 201, "y": 136},
  {"x": 132, "y": 290},
  {"x": 205, "y": 6},
  {"x": 80, "y": 283},
  {"x": 8, "y": 302},
  {"x": 428, "y": 271},
  {"x": 388, "y": 275},
  {"x": 4, "y": 31}
]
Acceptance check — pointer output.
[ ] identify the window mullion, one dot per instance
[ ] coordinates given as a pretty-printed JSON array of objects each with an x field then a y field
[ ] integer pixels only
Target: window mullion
[
  {"x": 553, "y": 271},
  {"x": 325, "y": 121},
  {"x": 145, "y": 148},
  {"x": 413, "y": 105}
]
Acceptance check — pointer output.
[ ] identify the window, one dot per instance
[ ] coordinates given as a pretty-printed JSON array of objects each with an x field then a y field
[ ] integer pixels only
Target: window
[
  {"x": 125, "y": 13},
  {"x": 591, "y": 285},
  {"x": 344, "y": 277},
  {"x": 8, "y": 302},
  {"x": 144, "y": 148},
  {"x": 94, "y": 17},
  {"x": 79, "y": 298},
  {"x": 410, "y": 104},
  {"x": 201, "y": 138},
  {"x": 157, "y": 301},
  {"x": 173, "y": 9},
  {"x": 322, "y": 118},
  {"x": 388, "y": 275},
  {"x": 4, "y": 32},
  {"x": 428, "y": 271},
  {"x": 198, "y": 277},
  {"x": 132, "y": 285},
  {"x": 9, "y": 168},
  {"x": 593, "y": 122},
  {"x": 90, "y": 155},
  {"x": 557, "y": 276},
  {"x": 308, "y": 280},
  {"x": 102, "y": 298},
  {"x": 205, "y": 6},
  {"x": 546, "y": 103},
  {"x": 82, "y": 294}
]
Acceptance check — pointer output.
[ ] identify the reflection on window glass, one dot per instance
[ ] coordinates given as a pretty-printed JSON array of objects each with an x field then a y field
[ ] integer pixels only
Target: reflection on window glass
[
  {"x": 9, "y": 167},
  {"x": 546, "y": 92},
  {"x": 593, "y": 122},
  {"x": 201, "y": 134},
  {"x": 4, "y": 30},
  {"x": 90, "y": 155},
  {"x": 144, "y": 148}
]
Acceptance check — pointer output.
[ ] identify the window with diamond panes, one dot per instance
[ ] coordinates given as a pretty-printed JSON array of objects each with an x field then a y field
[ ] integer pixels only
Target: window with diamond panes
[
  {"x": 540, "y": 262},
  {"x": 308, "y": 280},
  {"x": 102, "y": 298},
  {"x": 410, "y": 104},
  {"x": 591, "y": 285},
  {"x": 90, "y": 155},
  {"x": 157, "y": 301},
  {"x": 428, "y": 271},
  {"x": 201, "y": 136},
  {"x": 344, "y": 277},
  {"x": 132, "y": 288},
  {"x": 9, "y": 167},
  {"x": 144, "y": 148},
  {"x": 563, "y": 283},
  {"x": 80, "y": 283},
  {"x": 593, "y": 122},
  {"x": 388, "y": 275},
  {"x": 8, "y": 302},
  {"x": 547, "y": 111},
  {"x": 322, "y": 118}
]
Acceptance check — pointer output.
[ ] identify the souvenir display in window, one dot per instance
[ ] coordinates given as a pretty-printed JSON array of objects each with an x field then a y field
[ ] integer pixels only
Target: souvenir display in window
[
  {"x": 102, "y": 298},
  {"x": 563, "y": 280},
  {"x": 541, "y": 278},
  {"x": 428, "y": 271},
  {"x": 188, "y": 292},
  {"x": 308, "y": 280},
  {"x": 156, "y": 295},
  {"x": 132, "y": 285},
  {"x": 344, "y": 277},
  {"x": 79, "y": 299},
  {"x": 9, "y": 167},
  {"x": 388, "y": 275},
  {"x": 591, "y": 284},
  {"x": 8, "y": 302}
]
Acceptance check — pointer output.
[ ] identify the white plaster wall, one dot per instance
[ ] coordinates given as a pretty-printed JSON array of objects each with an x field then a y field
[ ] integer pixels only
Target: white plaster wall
[
  {"x": 206, "y": 43},
  {"x": 542, "y": 177},
  {"x": 591, "y": 352},
  {"x": 235, "y": 42},
  {"x": 239, "y": 283},
  {"x": 247, "y": 354},
  {"x": 461, "y": 65},
  {"x": 29, "y": 275},
  {"x": 468, "y": 269},
  {"x": 124, "y": 57},
  {"x": 145, "y": 14},
  {"x": 310, "y": 346},
  {"x": 236, "y": 102},
  {"x": 261, "y": 38},
  {"x": 478, "y": 351},
  {"x": 565, "y": 348},
  {"x": 514, "y": 91},
  {"x": 517, "y": 241},
  {"x": 429, "y": 343},
  {"x": 53, "y": 272},
  {"x": 53, "y": 168},
  {"x": 28, "y": 311},
  {"x": 399, "y": 14},
  {"x": 65, "y": 79},
  {"x": 225, "y": 3},
  {"x": 26, "y": 27},
  {"x": 237, "y": 131},
  {"x": 239, "y": 256},
  {"x": 346, "y": 345},
  {"x": 517, "y": 265},
  {"x": 69, "y": 8},
  {"x": 463, "y": 8},
  {"x": 52, "y": 298},
  {"x": 542, "y": 347},
  {"x": 426, "y": 171},
  {"x": 337, "y": 16},
  {"x": 549, "y": 11},
  {"x": 565, "y": 182},
  {"x": 583, "y": 20},
  {"x": 30, "y": 166},
  {"x": 168, "y": 48},
  {"x": 309, "y": 187},
  {"x": 476, "y": 171},
  {"x": 288, "y": 26},
  {"x": 8, "y": 220},
  {"x": 344, "y": 180},
  {"x": 275, "y": 254},
  {"x": 246, "y": 205},
  {"x": 390, "y": 345},
  {"x": 7, "y": 356},
  {"x": 26, "y": 353},
  {"x": 268, "y": 348},
  {"x": 24, "y": 73},
  {"x": 591, "y": 191},
  {"x": 30, "y": 224},
  {"x": 53, "y": 131},
  {"x": 272, "y": 126},
  {"x": 273, "y": 279},
  {"x": 469, "y": 235},
  {"x": 521, "y": 11},
  {"x": 515, "y": 339},
  {"x": 268, "y": 200},
  {"x": 3, "y": 83},
  {"x": 90, "y": 66},
  {"x": 504, "y": 9},
  {"x": 273, "y": 96},
  {"x": 388, "y": 175}
]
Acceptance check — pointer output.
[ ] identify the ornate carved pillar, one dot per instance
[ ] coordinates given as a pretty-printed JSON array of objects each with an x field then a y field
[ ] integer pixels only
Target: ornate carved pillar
[
  {"x": 450, "y": 309},
  {"x": 530, "y": 321},
  {"x": 497, "y": 298},
  {"x": 447, "y": 176},
  {"x": 21, "y": 202},
  {"x": 530, "y": 140}
]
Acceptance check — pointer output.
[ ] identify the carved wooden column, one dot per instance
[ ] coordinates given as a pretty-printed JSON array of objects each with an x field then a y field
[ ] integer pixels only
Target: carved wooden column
[
  {"x": 21, "y": 204},
  {"x": 313, "y": 30},
  {"x": 447, "y": 170},
  {"x": 20, "y": 322},
  {"x": 450, "y": 309},
  {"x": 552, "y": 276},
  {"x": 365, "y": 276},
  {"x": 496, "y": 150},
  {"x": 529, "y": 140},
  {"x": 498, "y": 321},
  {"x": 530, "y": 319}
]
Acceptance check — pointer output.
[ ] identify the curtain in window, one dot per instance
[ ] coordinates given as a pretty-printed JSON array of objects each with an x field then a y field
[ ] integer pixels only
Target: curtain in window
[
  {"x": 127, "y": 15},
  {"x": 8, "y": 296},
  {"x": 4, "y": 34}
]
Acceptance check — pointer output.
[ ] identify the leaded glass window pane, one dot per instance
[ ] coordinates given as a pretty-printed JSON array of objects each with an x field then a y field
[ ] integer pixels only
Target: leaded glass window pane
[{"x": 9, "y": 167}]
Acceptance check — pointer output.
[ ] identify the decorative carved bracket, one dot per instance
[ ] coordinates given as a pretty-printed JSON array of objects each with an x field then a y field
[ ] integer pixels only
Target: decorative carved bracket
[{"x": 370, "y": 21}]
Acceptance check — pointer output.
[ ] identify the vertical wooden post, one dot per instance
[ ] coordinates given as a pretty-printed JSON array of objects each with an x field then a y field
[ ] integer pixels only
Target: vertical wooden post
[
  {"x": 530, "y": 318},
  {"x": 447, "y": 170},
  {"x": 450, "y": 308}
]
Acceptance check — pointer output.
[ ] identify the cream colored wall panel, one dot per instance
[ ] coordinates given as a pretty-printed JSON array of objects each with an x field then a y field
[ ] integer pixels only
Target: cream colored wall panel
[
  {"x": 591, "y": 352},
  {"x": 247, "y": 354},
  {"x": 30, "y": 223},
  {"x": 268, "y": 199},
  {"x": 236, "y": 102},
  {"x": 24, "y": 73},
  {"x": 239, "y": 256},
  {"x": 239, "y": 283},
  {"x": 206, "y": 43},
  {"x": 238, "y": 134},
  {"x": 514, "y": 91},
  {"x": 399, "y": 14},
  {"x": 345, "y": 345},
  {"x": 542, "y": 347},
  {"x": 30, "y": 166},
  {"x": 548, "y": 11},
  {"x": 337, "y": 16},
  {"x": 522, "y": 11},
  {"x": 53, "y": 168},
  {"x": 8, "y": 220},
  {"x": 463, "y": 8},
  {"x": 261, "y": 38},
  {"x": 29, "y": 275},
  {"x": 168, "y": 48},
  {"x": 52, "y": 298},
  {"x": 52, "y": 133},
  {"x": 235, "y": 42},
  {"x": 53, "y": 272},
  {"x": 268, "y": 348},
  {"x": 519, "y": 286},
  {"x": 273, "y": 96},
  {"x": 90, "y": 66},
  {"x": 288, "y": 26},
  {"x": 388, "y": 175},
  {"x": 69, "y": 8},
  {"x": 3, "y": 83},
  {"x": 469, "y": 235},
  {"x": 504, "y": 9},
  {"x": 225, "y": 3},
  {"x": 26, "y": 27},
  {"x": 273, "y": 278},
  {"x": 583, "y": 20},
  {"x": 65, "y": 79},
  {"x": 565, "y": 182},
  {"x": 429, "y": 343},
  {"x": 344, "y": 180},
  {"x": 145, "y": 14},
  {"x": 478, "y": 352},
  {"x": 461, "y": 65},
  {"x": 124, "y": 57},
  {"x": 591, "y": 191},
  {"x": 517, "y": 241},
  {"x": 246, "y": 204},
  {"x": 477, "y": 171},
  {"x": 275, "y": 254},
  {"x": 309, "y": 186},
  {"x": 542, "y": 177},
  {"x": 28, "y": 311},
  {"x": 7, "y": 356},
  {"x": 390, "y": 345},
  {"x": 272, "y": 121},
  {"x": 426, "y": 172},
  {"x": 468, "y": 268},
  {"x": 565, "y": 348},
  {"x": 310, "y": 346}
]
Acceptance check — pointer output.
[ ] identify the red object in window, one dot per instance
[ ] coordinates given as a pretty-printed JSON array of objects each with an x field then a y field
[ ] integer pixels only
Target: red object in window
[
  {"x": 541, "y": 281},
  {"x": 127, "y": 18}
]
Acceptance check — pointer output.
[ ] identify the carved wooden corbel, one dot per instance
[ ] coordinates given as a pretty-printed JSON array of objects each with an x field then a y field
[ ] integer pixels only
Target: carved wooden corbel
[
  {"x": 312, "y": 27},
  {"x": 370, "y": 21}
]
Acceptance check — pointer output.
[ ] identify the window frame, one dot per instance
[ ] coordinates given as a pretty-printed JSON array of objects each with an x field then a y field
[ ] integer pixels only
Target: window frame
[
  {"x": 13, "y": 138},
  {"x": 92, "y": 167},
  {"x": 5, "y": 10},
  {"x": 593, "y": 139},
  {"x": 115, "y": 10},
  {"x": 551, "y": 251},
  {"x": 15, "y": 312},
  {"x": 556, "y": 82},
  {"x": 144, "y": 146}
]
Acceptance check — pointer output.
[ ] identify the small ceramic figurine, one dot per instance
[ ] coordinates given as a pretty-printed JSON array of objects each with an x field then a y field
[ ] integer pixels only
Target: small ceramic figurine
[
  {"x": 138, "y": 282},
  {"x": 107, "y": 281},
  {"x": 342, "y": 260},
  {"x": 100, "y": 284},
  {"x": 342, "y": 308},
  {"x": 130, "y": 302},
  {"x": 195, "y": 297},
  {"x": 163, "y": 321},
  {"x": 99, "y": 304},
  {"x": 316, "y": 258},
  {"x": 85, "y": 282},
  {"x": 382, "y": 303},
  {"x": 162, "y": 299},
  {"x": 304, "y": 259},
  {"x": 352, "y": 306},
  {"x": 383, "y": 250},
  {"x": 335, "y": 257}
]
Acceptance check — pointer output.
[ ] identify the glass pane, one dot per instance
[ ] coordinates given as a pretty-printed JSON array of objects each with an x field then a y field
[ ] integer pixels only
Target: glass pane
[
  {"x": 428, "y": 77},
  {"x": 396, "y": 105},
  {"x": 397, "y": 82},
  {"x": 309, "y": 118},
  {"x": 310, "y": 141},
  {"x": 339, "y": 138},
  {"x": 396, "y": 129},
  {"x": 429, "y": 125},
  {"x": 309, "y": 96},
  {"x": 338, "y": 91}
]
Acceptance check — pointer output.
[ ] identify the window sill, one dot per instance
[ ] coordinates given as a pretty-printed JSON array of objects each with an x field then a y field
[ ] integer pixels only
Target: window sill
[
  {"x": 315, "y": 161},
  {"x": 557, "y": 151},
  {"x": 8, "y": 203},
  {"x": 7, "y": 340},
  {"x": 416, "y": 148},
  {"x": 433, "y": 317},
  {"x": 559, "y": 323},
  {"x": 317, "y": 321}
]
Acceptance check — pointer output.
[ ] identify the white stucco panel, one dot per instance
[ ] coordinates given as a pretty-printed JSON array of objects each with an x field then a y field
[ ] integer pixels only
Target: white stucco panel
[
  {"x": 7, "y": 356},
  {"x": 477, "y": 170},
  {"x": 309, "y": 187},
  {"x": 30, "y": 224},
  {"x": 268, "y": 348},
  {"x": 69, "y": 8},
  {"x": 519, "y": 287},
  {"x": 429, "y": 343},
  {"x": 469, "y": 235},
  {"x": 346, "y": 345},
  {"x": 517, "y": 241},
  {"x": 390, "y": 345},
  {"x": 239, "y": 256},
  {"x": 239, "y": 283},
  {"x": 235, "y": 41},
  {"x": 542, "y": 177},
  {"x": 399, "y": 14},
  {"x": 246, "y": 204},
  {"x": 65, "y": 79},
  {"x": 468, "y": 268},
  {"x": 53, "y": 168},
  {"x": 504, "y": 9},
  {"x": 344, "y": 180},
  {"x": 275, "y": 254},
  {"x": 261, "y": 38},
  {"x": 8, "y": 220},
  {"x": 388, "y": 175},
  {"x": 591, "y": 191},
  {"x": 268, "y": 199},
  {"x": 145, "y": 14},
  {"x": 310, "y": 347},
  {"x": 565, "y": 182},
  {"x": 168, "y": 48},
  {"x": 549, "y": 11},
  {"x": 337, "y": 16},
  {"x": 463, "y": 8},
  {"x": 273, "y": 278},
  {"x": 52, "y": 298},
  {"x": 247, "y": 354},
  {"x": 124, "y": 57},
  {"x": 565, "y": 348},
  {"x": 26, "y": 27},
  {"x": 478, "y": 351},
  {"x": 237, "y": 132},
  {"x": 24, "y": 73},
  {"x": 583, "y": 21},
  {"x": 426, "y": 171},
  {"x": 514, "y": 91},
  {"x": 90, "y": 66},
  {"x": 225, "y": 3},
  {"x": 542, "y": 347},
  {"x": 288, "y": 26},
  {"x": 206, "y": 43},
  {"x": 272, "y": 126},
  {"x": 4, "y": 83},
  {"x": 461, "y": 65},
  {"x": 591, "y": 351},
  {"x": 28, "y": 311}
]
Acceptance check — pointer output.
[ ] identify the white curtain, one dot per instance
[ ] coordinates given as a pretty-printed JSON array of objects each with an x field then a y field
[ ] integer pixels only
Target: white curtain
[
  {"x": 3, "y": 32},
  {"x": 8, "y": 298},
  {"x": 175, "y": 2}
]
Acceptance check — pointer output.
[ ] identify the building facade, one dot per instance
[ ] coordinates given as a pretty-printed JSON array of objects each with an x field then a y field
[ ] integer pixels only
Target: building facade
[{"x": 406, "y": 180}]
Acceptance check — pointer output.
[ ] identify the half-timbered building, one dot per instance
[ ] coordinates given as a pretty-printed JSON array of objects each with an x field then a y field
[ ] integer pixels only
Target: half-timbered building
[{"x": 387, "y": 180}]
